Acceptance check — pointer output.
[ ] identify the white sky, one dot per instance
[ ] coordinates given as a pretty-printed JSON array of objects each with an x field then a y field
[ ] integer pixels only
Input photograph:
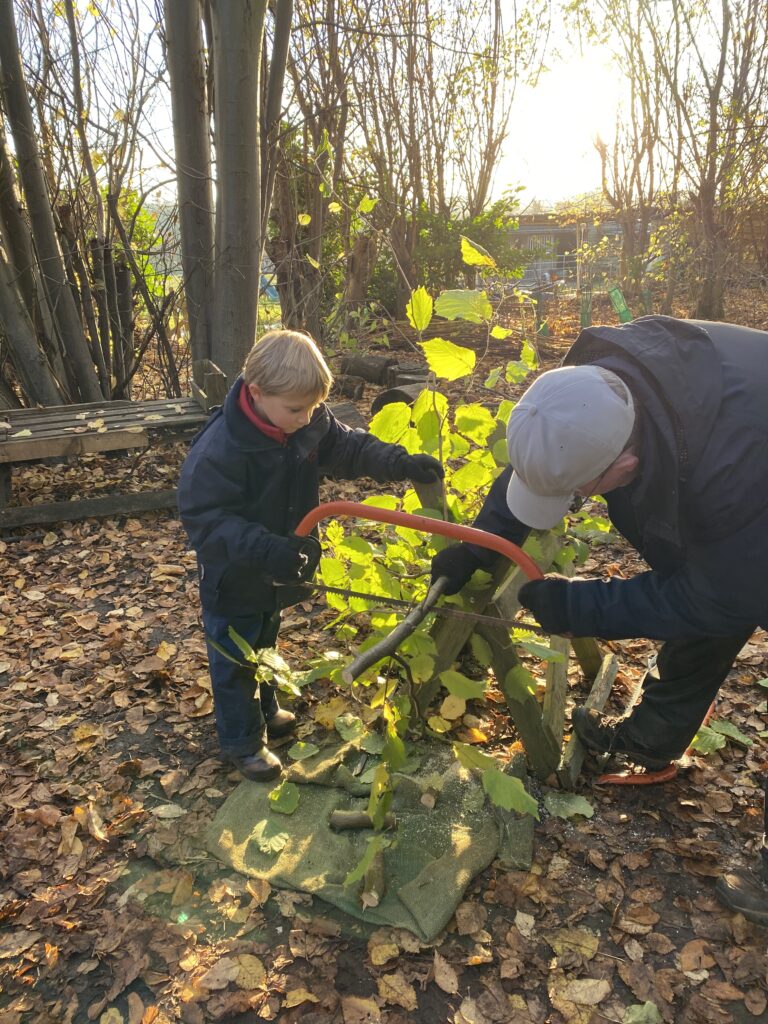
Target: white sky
[{"x": 549, "y": 148}]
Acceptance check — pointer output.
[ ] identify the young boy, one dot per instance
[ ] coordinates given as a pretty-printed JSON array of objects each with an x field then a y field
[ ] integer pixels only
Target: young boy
[{"x": 252, "y": 474}]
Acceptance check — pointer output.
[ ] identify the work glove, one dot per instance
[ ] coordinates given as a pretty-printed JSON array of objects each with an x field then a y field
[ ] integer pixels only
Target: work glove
[
  {"x": 547, "y": 600},
  {"x": 292, "y": 559},
  {"x": 457, "y": 562},
  {"x": 421, "y": 469}
]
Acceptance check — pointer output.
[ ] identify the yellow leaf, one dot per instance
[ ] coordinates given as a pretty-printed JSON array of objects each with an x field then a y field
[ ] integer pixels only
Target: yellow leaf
[
  {"x": 165, "y": 651},
  {"x": 49, "y": 540},
  {"x": 259, "y": 889},
  {"x": 304, "y": 219},
  {"x": 576, "y": 940},
  {"x": 329, "y": 711},
  {"x": 111, "y": 1016},
  {"x": 357, "y": 1010},
  {"x": 22, "y": 433},
  {"x": 154, "y": 417},
  {"x": 396, "y": 990},
  {"x": 251, "y": 972},
  {"x": 380, "y": 952},
  {"x": 297, "y": 996},
  {"x": 95, "y": 424},
  {"x": 85, "y": 736},
  {"x": 453, "y": 707}
]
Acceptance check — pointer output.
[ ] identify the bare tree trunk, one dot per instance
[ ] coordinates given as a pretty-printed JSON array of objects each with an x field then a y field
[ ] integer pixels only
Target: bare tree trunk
[
  {"x": 28, "y": 358},
  {"x": 16, "y": 236},
  {"x": 186, "y": 67},
  {"x": 238, "y": 26},
  {"x": 124, "y": 283},
  {"x": 41, "y": 217}
]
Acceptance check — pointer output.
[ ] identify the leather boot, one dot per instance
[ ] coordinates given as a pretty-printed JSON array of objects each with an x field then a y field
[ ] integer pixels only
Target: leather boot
[{"x": 262, "y": 766}]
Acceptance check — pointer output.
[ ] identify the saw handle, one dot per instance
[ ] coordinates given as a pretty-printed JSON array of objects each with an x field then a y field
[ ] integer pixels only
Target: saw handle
[{"x": 466, "y": 534}]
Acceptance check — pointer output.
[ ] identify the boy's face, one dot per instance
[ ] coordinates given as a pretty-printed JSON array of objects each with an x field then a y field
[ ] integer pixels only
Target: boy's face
[{"x": 290, "y": 411}]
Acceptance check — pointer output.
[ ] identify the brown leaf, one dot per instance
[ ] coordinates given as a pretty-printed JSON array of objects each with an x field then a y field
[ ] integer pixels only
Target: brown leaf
[
  {"x": 446, "y": 977},
  {"x": 721, "y": 991},
  {"x": 356, "y": 1010},
  {"x": 470, "y": 917},
  {"x": 396, "y": 990},
  {"x": 695, "y": 955}
]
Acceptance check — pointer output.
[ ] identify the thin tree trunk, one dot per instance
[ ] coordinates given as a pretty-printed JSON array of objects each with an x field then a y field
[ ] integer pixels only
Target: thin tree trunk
[
  {"x": 238, "y": 26},
  {"x": 186, "y": 67},
  {"x": 28, "y": 358},
  {"x": 115, "y": 331},
  {"x": 41, "y": 217},
  {"x": 124, "y": 283}
]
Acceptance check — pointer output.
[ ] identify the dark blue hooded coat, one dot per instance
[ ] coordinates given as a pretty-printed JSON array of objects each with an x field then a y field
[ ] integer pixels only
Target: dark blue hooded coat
[
  {"x": 239, "y": 489},
  {"x": 698, "y": 511}
]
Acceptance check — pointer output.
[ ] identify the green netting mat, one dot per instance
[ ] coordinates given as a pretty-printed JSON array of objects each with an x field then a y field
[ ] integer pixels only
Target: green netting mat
[{"x": 435, "y": 854}]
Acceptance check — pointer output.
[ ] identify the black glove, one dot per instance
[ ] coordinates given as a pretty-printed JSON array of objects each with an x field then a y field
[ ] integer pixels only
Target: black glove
[
  {"x": 456, "y": 562},
  {"x": 422, "y": 469},
  {"x": 547, "y": 599},
  {"x": 292, "y": 559}
]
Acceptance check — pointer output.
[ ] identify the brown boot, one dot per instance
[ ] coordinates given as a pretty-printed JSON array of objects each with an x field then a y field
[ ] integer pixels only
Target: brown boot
[
  {"x": 280, "y": 723},
  {"x": 262, "y": 766}
]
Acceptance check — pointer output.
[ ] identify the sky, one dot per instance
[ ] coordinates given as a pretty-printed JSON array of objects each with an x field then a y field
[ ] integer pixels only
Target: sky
[{"x": 549, "y": 148}]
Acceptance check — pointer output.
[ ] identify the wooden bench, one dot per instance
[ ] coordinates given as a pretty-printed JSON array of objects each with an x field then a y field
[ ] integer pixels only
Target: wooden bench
[{"x": 66, "y": 431}]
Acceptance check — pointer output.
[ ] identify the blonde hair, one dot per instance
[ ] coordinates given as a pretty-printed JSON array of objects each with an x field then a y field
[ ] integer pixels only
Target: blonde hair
[{"x": 283, "y": 362}]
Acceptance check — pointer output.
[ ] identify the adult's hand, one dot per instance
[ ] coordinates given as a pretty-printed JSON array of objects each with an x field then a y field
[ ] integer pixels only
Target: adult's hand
[
  {"x": 547, "y": 599},
  {"x": 456, "y": 562}
]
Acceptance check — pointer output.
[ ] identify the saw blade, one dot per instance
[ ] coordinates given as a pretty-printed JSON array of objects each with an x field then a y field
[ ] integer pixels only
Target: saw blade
[{"x": 443, "y": 610}]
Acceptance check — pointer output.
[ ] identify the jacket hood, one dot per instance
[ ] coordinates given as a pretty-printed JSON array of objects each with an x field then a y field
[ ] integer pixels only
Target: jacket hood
[{"x": 674, "y": 358}]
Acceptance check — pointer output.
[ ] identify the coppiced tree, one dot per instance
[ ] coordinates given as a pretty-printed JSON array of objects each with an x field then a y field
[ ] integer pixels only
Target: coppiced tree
[{"x": 228, "y": 91}]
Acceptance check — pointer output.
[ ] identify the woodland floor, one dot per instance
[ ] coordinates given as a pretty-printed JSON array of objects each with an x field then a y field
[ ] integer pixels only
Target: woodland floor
[{"x": 109, "y": 775}]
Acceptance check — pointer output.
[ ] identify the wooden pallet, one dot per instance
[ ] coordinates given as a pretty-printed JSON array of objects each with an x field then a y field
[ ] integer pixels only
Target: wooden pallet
[{"x": 28, "y": 435}]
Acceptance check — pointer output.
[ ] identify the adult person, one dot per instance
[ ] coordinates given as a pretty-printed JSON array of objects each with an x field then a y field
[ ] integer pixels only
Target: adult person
[{"x": 668, "y": 419}]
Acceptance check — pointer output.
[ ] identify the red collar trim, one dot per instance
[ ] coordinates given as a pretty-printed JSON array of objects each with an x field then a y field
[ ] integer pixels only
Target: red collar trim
[{"x": 246, "y": 407}]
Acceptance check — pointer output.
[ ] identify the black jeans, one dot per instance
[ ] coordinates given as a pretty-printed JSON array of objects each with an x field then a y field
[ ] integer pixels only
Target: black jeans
[
  {"x": 240, "y": 708},
  {"x": 678, "y": 692}
]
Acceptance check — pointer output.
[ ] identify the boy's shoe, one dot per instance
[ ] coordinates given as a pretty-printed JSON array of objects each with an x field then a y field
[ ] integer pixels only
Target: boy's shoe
[
  {"x": 280, "y": 723},
  {"x": 263, "y": 766},
  {"x": 745, "y": 891},
  {"x": 601, "y": 736}
]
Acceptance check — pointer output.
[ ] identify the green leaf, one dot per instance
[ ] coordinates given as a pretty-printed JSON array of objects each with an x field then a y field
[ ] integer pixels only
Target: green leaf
[
  {"x": 566, "y": 805},
  {"x": 243, "y": 646},
  {"x": 706, "y": 740},
  {"x": 472, "y": 758},
  {"x": 419, "y": 309},
  {"x": 500, "y": 333},
  {"x": 334, "y": 207},
  {"x": 519, "y": 683},
  {"x": 428, "y": 403},
  {"x": 422, "y": 667},
  {"x": 508, "y": 792},
  {"x": 380, "y": 797},
  {"x": 763, "y": 683},
  {"x": 366, "y": 204},
  {"x": 461, "y": 686},
  {"x": 446, "y": 360},
  {"x": 464, "y": 304},
  {"x": 349, "y": 727},
  {"x": 301, "y": 751},
  {"x": 381, "y": 501},
  {"x": 642, "y": 1013},
  {"x": 475, "y": 422},
  {"x": 269, "y": 836},
  {"x": 284, "y": 798},
  {"x": 304, "y": 219},
  {"x": 475, "y": 255},
  {"x": 375, "y": 845},
  {"x": 528, "y": 356},
  {"x": 472, "y": 476},
  {"x": 438, "y": 724},
  {"x": 516, "y": 372},
  {"x": 734, "y": 735},
  {"x": 543, "y": 651},
  {"x": 393, "y": 751},
  {"x": 390, "y": 423}
]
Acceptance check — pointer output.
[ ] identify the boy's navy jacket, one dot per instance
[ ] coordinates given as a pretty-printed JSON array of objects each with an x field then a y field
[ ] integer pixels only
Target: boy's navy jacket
[
  {"x": 698, "y": 511},
  {"x": 238, "y": 488}
]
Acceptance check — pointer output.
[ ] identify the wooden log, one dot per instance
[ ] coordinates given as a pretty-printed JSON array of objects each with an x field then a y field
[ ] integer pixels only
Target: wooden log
[
  {"x": 341, "y": 821},
  {"x": 541, "y": 747},
  {"x": 397, "y": 373},
  {"x": 350, "y": 387},
  {"x": 374, "y": 882},
  {"x": 372, "y": 368},
  {"x": 556, "y": 690},
  {"x": 408, "y": 394},
  {"x": 588, "y": 655},
  {"x": 574, "y": 754},
  {"x": 87, "y": 508}
]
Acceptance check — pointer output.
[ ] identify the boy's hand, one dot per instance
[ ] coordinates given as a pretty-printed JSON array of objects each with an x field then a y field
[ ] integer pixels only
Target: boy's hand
[
  {"x": 422, "y": 469},
  {"x": 288, "y": 559}
]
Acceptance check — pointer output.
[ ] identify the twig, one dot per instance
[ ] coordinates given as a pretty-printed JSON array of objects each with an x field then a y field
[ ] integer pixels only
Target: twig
[{"x": 393, "y": 640}]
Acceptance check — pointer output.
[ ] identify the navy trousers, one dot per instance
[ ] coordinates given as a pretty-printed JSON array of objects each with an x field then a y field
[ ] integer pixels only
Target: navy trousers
[
  {"x": 677, "y": 693},
  {"x": 240, "y": 706}
]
